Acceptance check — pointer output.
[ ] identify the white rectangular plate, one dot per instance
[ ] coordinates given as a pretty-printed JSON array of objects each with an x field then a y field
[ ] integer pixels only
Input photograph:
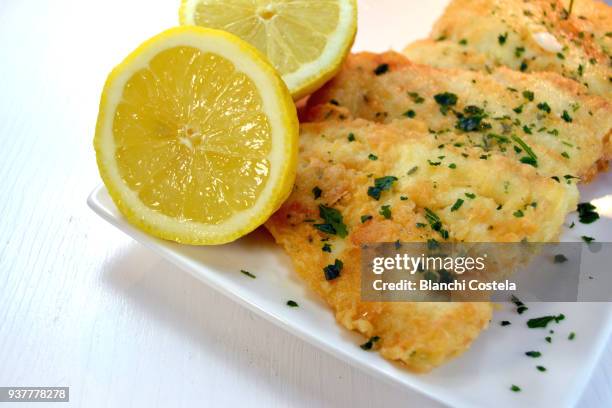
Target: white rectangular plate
[
  {"x": 480, "y": 377},
  {"x": 483, "y": 374}
]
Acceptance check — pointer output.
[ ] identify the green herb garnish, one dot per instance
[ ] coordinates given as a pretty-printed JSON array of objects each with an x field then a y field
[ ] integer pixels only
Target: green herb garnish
[
  {"x": 542, "y": 322},
  {"x": 351, "y": 137},
  {"x": 502, "y": 38},
  {"x": 515, "y": 388},
  {"x": 560, "y": 258},
  {"x": 334, "y": 223},
  {"x": 385, "y": 211},
  {"x": 333, "y": 271},
  {"x": 316, "y": 192},
  {"x": 587, "y": 213},
  {"x": 247, "y": 273},
  {"x": 365, "y": 218},
  {"x": 416, "y": 98},
  {"x": 566, "y": 117},
  {"x": 370, "y": 343},
  {"x": 381, "y": 69},
  {"x": 326, "y": 247},
  {"x": 533, "y": 354},
  {"x": 457, "y": 205},
  {"x": 292, "y": 303},
  {"x": 381, "y": 184},
  {"x": 520, "y": 306},
  {"x": 587, "y": 239},
  {"x": 372, "y": 156},
  {"x": 544, "y": 107}
]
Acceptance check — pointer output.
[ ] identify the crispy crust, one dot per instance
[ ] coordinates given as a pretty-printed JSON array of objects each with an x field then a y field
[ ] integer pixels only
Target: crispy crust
[
  {"x": 420, "y": 335},
  {"x": 585, "y": 137}
]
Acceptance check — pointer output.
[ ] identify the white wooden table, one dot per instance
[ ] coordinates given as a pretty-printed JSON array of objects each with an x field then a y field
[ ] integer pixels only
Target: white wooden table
[{"x": 84, "y": 306}]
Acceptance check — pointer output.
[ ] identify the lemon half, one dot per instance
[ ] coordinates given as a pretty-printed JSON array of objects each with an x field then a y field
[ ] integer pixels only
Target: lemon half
[
  {"x": 196, "y": 138},
  {"x": 305, "y": 40}
]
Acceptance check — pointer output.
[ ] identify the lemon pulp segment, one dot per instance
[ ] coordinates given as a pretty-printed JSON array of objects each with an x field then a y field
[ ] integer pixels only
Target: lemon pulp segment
[
  {"x": 305, "y": 40},
  {"x": 197, "y": 137},
  {"x": 179, "y": 132}
]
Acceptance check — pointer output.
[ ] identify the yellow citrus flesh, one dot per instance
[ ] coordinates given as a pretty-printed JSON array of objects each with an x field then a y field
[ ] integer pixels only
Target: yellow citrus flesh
[
  {"x": 306, "y": 41},
  {"x": 196, "y": 137}
]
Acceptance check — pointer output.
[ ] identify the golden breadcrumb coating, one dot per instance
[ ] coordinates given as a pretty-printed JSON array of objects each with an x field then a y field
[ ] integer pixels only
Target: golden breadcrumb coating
[
  {"x": 530, "y": 36},
  {"x": 504, "y": 201},
  {"x": 539, "y": 119}
]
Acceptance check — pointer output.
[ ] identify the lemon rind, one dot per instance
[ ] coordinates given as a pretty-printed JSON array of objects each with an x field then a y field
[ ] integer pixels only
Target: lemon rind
[
  {"x": 312, "y": 76},
  {"x": 277, "y": 105}
]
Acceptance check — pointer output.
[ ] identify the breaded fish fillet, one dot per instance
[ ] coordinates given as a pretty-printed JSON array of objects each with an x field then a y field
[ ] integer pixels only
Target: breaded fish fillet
[
  {"x": 541, "y": 119},
  {"x": 530, "y": 36},
  {"x": 502, "y": 201}
]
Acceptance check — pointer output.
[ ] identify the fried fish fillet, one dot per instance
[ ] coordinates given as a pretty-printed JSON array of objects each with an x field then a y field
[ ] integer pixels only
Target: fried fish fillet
[
  {"x": 530, "y": 36},
  {"x": 540, "y": 119},
  {"x": 503, "y": 201}
]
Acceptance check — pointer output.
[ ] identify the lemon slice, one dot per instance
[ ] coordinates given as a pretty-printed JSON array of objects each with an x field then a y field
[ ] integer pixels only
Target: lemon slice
[
  {"x": 196, "y": 138},
  {"x": 305, "y": 40}
]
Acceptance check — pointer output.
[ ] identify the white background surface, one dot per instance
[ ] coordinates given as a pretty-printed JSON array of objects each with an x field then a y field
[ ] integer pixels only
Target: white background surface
[{"x": 81, "y": 304}]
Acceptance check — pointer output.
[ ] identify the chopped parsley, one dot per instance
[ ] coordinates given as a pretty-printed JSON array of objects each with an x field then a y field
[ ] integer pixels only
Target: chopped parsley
[
  {"x": 416, "y": 98},
  {"x": 520, "y": 306},
  {"x": 518, "y": 214},
  {"x": 326, "y": 247},
  {"x": 528, "y": 95},
  {"x": 452, "y": 166},
  {"x": 463, "y": 41},
  {"x": 385, "y": 211},
  {"x": 381, "y": 69},
  {"x": 571, "y": 336},
  {"x": 541, "y": 368},
  {"x": 542, "y": 322},
  {"x": 502, "y": 38},
  {"x": 560, "y": 258},
  {"x": 412, "y": 170},
  {"x": 533, "y": 354},
  {"x": 515, "y": 388},
  {"x": 333, "y": 271},
  {"x": 435, "y": 223},
  {"x": 566, "y": 117},
  {"x": 471, "y": 196},
  {"x": 586, "y": 239},
  {"x": 351, "y": 137},
  {"x": 316, "y": 192},
  {"x": 247, "y": 273},
  {"x": 372, "y": 156},
  {"x": 431, "y": 163},
  {"x": 370, "y": 343},
  {"x": 410, "y": 113},
  {"x": 587, "y": 213},
  {"x": 457, "y": 205},
  {"x": 403, "y": 198},
  {"x": 365, "y": 218},
  {"x": 544, "y": 107},
  {"x": 505, "y": 323},
  {"x": 445, "y": 100},
  {"x": 333, "y": 224},
  {"x": 548, "y": 339},
  {"x": 381, "y": 184},
  {"x": 292, "y": 303},
  {"x": 471, "y": 120},
  {"x": 531, "y": 157}
]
